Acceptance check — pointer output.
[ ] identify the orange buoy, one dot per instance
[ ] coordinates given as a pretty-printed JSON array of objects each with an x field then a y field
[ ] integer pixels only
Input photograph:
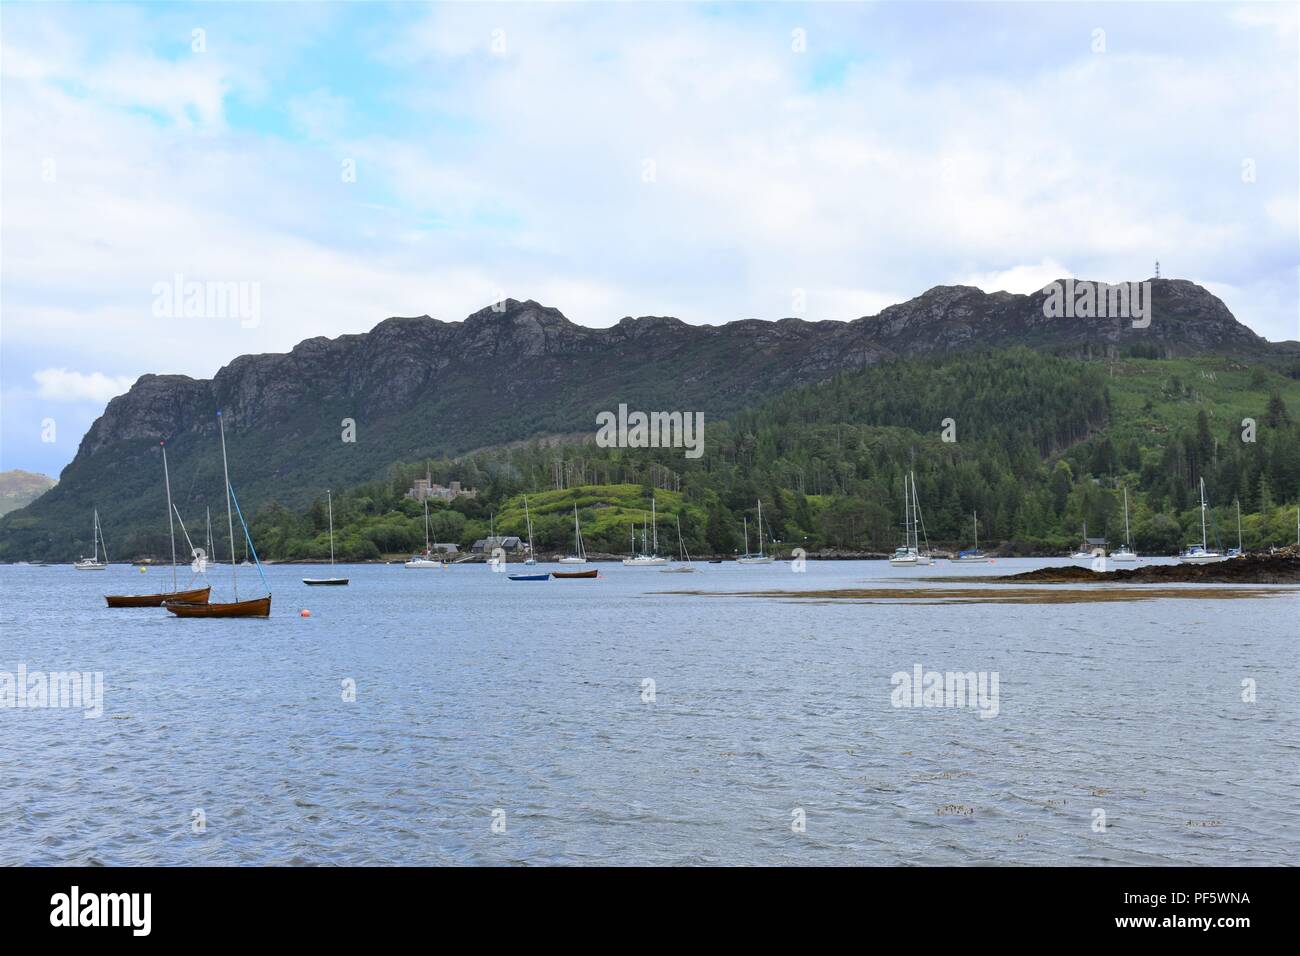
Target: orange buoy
[{"x": 304, "y": 613}]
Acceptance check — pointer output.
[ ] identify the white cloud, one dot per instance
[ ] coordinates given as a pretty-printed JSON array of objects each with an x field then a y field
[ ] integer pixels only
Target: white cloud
[
  {"x": 61, "y": 385},
  {"x": 1021, "y": 279},
  {"x": 522, "y": 172}
]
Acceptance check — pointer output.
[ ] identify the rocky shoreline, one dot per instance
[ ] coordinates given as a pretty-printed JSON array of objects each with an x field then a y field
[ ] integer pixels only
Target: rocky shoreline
[{"x": 1278, "y": 567}]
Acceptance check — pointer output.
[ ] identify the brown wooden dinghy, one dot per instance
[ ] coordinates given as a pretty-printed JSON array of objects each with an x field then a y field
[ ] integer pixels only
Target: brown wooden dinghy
[
  {"x": 575, "y": 574},
  {"x": 257, "y": 607},
  {"x": 196, "y": 596}
]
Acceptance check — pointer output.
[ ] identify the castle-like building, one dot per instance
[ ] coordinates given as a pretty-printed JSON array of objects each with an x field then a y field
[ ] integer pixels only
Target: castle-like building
[{"x": 424, "y": 488}]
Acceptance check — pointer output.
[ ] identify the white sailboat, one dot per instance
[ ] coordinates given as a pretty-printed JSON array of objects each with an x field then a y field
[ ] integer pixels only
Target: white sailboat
[
  {"x": 760, "y": 557},
  {"x": 1201, "y": 553},
  {"x": 910, "y": 554},
  {"x": 331, "y": 580},
  {"x": 682, "y": 555},
  {"x": 579, "y": 555},
  {"x": 1085, "y": 552},
  {"x": 1237, "y": 552},
  {"x": 1125, "y": 551},
  {"x": 97, "y": 538},
  {"x": 425, "y": 559},
  {"x": 975, "y": 556},
  {"x": 647, "y": 557}
]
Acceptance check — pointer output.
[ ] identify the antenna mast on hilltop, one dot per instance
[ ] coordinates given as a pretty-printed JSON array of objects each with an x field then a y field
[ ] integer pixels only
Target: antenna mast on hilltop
[{"x": 1157, "y": 268}]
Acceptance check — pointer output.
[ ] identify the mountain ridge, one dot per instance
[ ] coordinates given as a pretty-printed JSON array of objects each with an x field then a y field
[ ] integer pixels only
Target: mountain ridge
[{"x": 417, "y": 386}]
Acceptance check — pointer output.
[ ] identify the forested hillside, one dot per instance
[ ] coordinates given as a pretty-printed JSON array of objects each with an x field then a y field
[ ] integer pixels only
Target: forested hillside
[{"x": 1042, "y": 444}]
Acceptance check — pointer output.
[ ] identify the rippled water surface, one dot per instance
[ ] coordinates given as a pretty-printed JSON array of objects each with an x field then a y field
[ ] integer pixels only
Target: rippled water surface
[{"x": 476, "y": 694}]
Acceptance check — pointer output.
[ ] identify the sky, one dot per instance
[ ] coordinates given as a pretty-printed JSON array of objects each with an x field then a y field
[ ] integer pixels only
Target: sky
[{"x": 330, "y": 165}]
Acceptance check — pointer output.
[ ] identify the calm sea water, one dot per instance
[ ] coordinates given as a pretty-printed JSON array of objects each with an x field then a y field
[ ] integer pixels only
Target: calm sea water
[{"x": 479, "y": 699}]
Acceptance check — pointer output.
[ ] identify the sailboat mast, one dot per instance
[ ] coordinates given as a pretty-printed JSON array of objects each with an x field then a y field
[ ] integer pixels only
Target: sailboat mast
[
  {"x": 99, "y": 530},
  {"x": 1204, "y": 542},
  {"x": 426, "y": 523},
  {"x": 230, "y": 516},
  {"x": 916, "y": 519},
  {"x": 528, "y": 518},
  {"x": 330, "y": 501},
  {"x": 171, "y": 524},
  {"x": 1127, "y": 542},
  {"x": 654, "y": 520},
  {"x": 760, "y": 525},
  {"x": 975, "y": 519},
  {"x": 1238, "y": 525},
  {"x": 907, "y": 513}
]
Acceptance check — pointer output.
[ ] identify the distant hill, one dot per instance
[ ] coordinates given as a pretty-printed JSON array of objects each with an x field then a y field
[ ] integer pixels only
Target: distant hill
[
  {"x": 420, "y": 387},
  {"x": 20, "y": 488}
]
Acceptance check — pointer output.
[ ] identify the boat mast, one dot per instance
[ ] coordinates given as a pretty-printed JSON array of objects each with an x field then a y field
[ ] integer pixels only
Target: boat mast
[
  {"x": 907, "y": 515},
  {"x": 426, "y": 524},
  {"x": 654, "y": 520},
  {"x": 171, "y": 525},
  {"x": 1204, "y": 543},
  {"x": 230, "y": 517},
  {"x": 745, "y": 518},
  {"x": 1127, "y": 543},
  {"x": 916, "y": 518},
  {"x": 1238, "y": 525},
  {"x": 330, "y": 501},
  {"x": 529, "y": 519},
  {"x": 760, "y": 527},
  {"x": 975, "y": 519}
]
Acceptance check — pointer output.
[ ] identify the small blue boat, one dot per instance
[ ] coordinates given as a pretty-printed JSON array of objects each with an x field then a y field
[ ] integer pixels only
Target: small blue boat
[{"x": 530, "y": 577}]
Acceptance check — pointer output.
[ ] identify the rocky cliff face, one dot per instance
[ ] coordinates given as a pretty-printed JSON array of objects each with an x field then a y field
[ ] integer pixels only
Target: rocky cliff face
[{"x": 420, "y": 386}]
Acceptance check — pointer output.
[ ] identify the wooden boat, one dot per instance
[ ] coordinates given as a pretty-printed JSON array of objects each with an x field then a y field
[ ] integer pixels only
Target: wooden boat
[
  {"x": 257, "y": 607},
  {"x": 190, "y": 595},
  {"x": 196, "y": 596},
  {"x": 336, "y": 581},
  {"x": 575, "y": 574},
  {"x": 529, "y": 577}
]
